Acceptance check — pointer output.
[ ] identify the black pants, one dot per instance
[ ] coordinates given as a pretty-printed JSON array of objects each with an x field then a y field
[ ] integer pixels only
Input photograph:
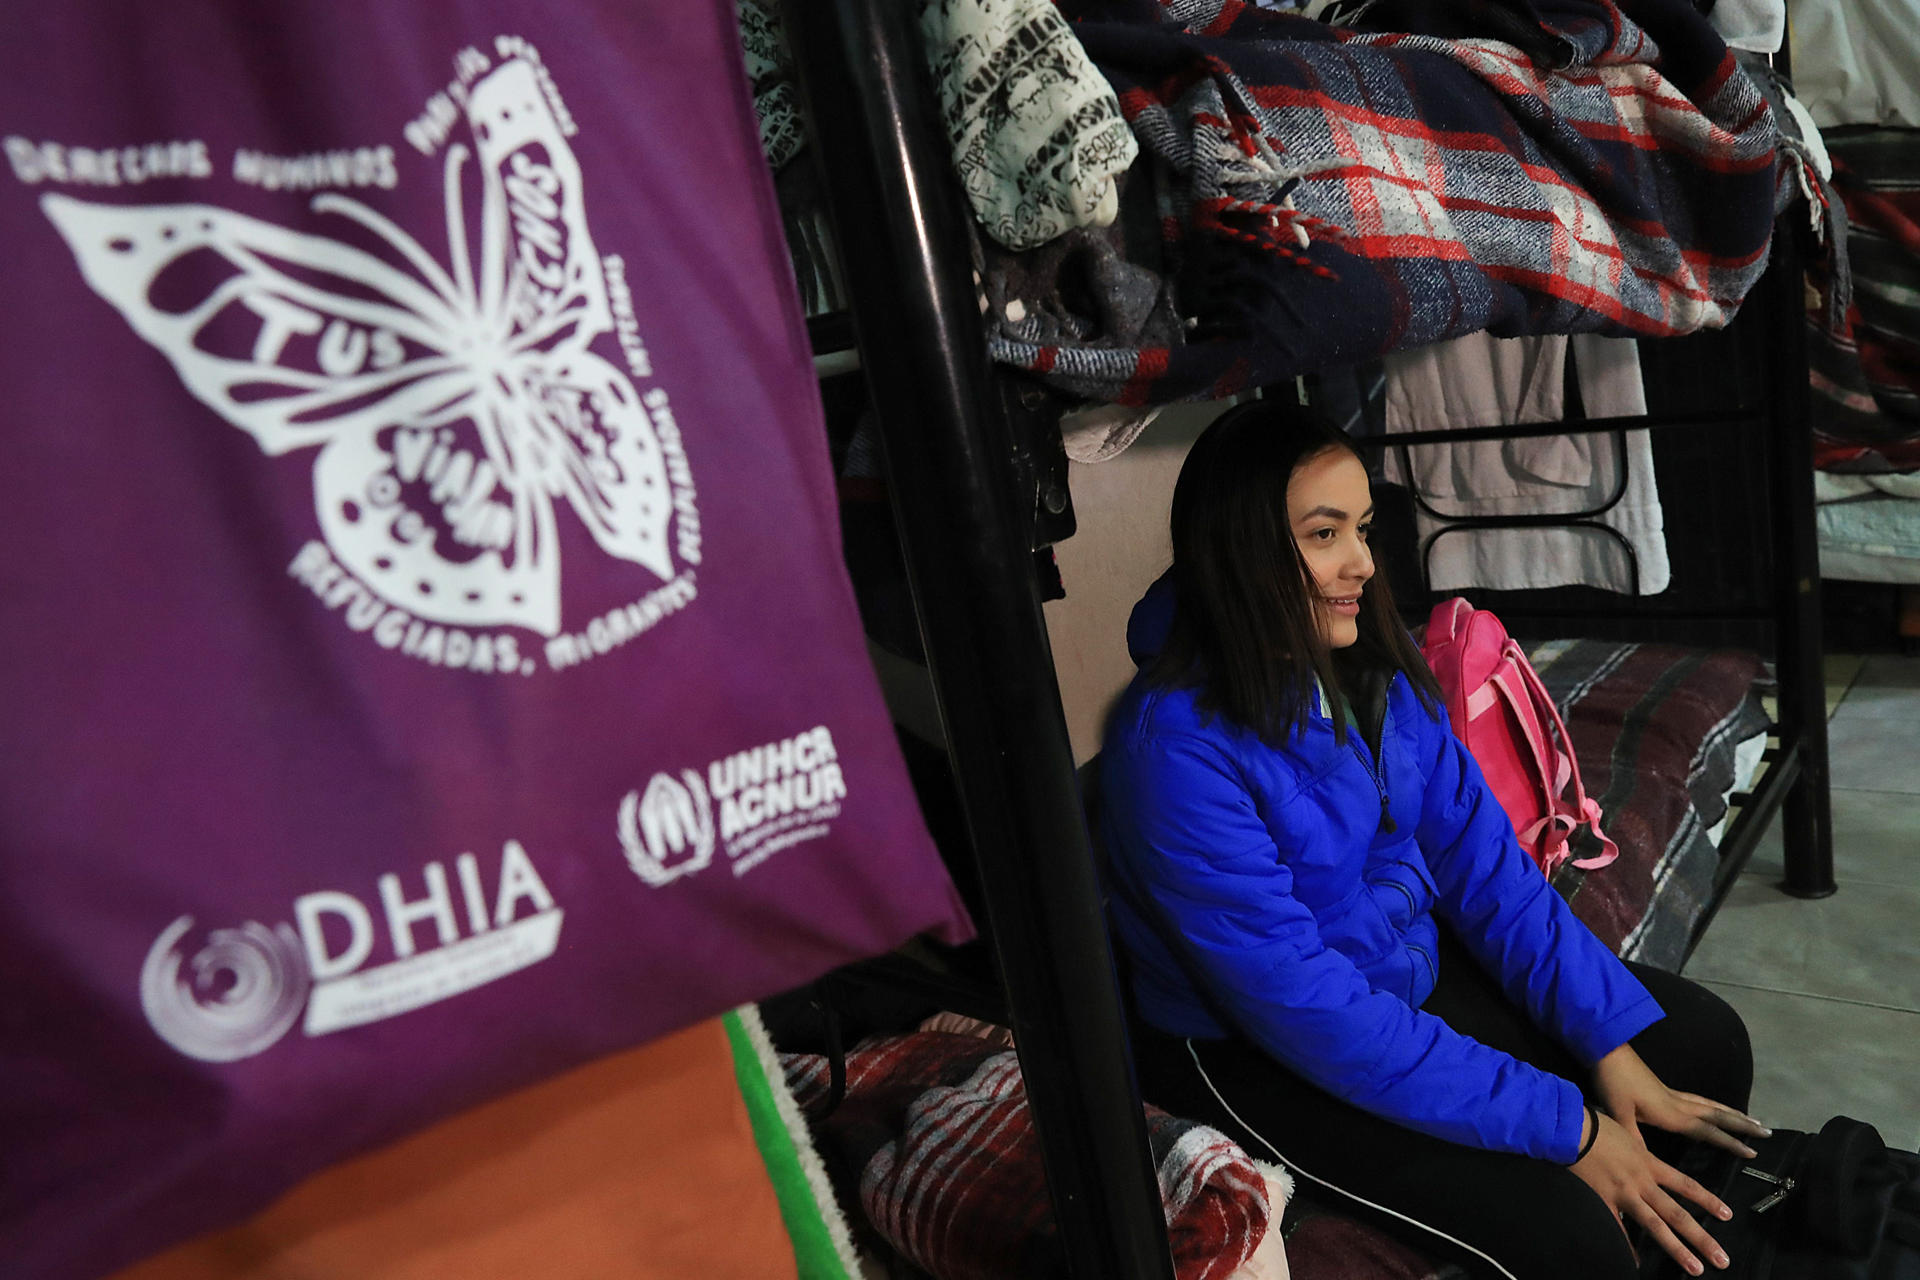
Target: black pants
[{"x": 1491, "y": 1212}]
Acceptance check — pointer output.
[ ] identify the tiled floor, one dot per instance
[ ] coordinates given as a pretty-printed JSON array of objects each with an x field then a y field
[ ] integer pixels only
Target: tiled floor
[{"x": 1830, "y": 989}]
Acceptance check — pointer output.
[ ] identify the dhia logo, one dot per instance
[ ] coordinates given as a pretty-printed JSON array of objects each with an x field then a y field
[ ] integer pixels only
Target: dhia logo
[
  {"x": 669, "y": 831},
  {"x": 243, "y": 989},
  {"x": 246, "y": 990}
]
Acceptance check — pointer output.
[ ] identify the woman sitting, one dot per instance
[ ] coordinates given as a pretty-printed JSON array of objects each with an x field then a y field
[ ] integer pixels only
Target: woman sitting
[{"x": 1338, "y": 953}]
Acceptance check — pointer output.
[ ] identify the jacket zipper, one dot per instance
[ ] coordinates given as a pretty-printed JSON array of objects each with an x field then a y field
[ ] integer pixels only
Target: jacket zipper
[
  {"x": 1373, "y": 770},
  {"x": 1412, "y": 906},
  {"x": 1379, "y": 781}
]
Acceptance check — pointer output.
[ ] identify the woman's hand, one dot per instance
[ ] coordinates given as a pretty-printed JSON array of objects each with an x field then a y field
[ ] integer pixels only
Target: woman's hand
[
  {"x": 1633, "y": 1095},
  {"x": 1636, "y": 1187}
]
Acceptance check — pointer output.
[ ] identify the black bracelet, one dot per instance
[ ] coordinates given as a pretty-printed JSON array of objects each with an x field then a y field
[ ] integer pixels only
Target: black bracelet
[{"x": 1593, "y": 1135}]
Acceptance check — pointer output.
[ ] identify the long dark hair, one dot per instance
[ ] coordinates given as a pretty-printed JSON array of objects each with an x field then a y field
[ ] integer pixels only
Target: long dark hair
[{"x": 1245, "y": 633}]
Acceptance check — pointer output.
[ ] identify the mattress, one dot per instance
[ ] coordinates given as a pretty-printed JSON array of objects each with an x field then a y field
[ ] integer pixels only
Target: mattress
[
  {"x": 1868, "y": 526},
  {"x": 1660, "y": 732}
]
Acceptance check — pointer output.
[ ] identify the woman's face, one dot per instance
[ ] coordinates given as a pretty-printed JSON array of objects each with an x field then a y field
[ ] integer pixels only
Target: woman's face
[{"x": 1330, "y": 510}]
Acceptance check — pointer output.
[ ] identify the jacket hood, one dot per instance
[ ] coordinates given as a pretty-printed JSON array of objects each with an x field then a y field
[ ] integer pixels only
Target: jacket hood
[{"x": 1151, "y": 621}]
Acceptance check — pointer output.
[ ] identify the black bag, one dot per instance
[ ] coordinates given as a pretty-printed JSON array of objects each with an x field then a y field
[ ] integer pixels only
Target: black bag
[{"x": 1833, "y": 1205}]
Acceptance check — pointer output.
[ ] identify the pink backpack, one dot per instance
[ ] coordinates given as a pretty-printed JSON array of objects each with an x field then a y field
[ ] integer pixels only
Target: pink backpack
[{"x": 1501, "y": 711}]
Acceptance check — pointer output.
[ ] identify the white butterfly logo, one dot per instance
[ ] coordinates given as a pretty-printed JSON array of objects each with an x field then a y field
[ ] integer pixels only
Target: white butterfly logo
[{"x": 451, "y": 409}]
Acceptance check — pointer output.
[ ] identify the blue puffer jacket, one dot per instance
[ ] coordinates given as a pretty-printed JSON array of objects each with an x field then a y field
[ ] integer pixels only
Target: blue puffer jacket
[{"x": 1258, "y": 889}]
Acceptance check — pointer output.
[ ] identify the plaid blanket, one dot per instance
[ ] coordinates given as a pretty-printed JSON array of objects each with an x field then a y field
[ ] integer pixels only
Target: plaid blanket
[
  {"x": 1866, "y": 379},
  {"x": 935, "y": 1143},
  {"x": 1326, "y": 195}
]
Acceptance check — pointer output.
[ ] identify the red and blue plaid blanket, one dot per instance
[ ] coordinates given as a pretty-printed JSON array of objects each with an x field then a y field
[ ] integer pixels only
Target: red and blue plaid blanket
[
  {"x": 1326, "y": 195},
  {"x": 1866, "y": 378}
]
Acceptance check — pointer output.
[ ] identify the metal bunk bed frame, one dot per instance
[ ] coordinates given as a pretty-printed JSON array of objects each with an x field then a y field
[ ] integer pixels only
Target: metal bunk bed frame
[
  {"x": 1795, "y": 782},
  {"x": 978, "y": 484}
]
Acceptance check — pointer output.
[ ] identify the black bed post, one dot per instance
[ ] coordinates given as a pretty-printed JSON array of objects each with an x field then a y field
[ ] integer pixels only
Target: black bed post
[
  {"x": 1806, "y": 815},
  {"x": 966, "y": 530}
]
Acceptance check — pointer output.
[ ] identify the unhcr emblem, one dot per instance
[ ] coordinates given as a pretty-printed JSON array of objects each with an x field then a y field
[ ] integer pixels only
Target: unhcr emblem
[
  {"x": 668, "y": 832},
  {"x": 750, "y": 805}
]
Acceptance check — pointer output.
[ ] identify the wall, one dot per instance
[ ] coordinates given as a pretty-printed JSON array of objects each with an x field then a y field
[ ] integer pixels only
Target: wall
[{"x": 1121, "y": 507}]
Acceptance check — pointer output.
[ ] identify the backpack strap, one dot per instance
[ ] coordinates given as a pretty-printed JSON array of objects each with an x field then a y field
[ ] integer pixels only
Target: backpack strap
[
  {"x": 1587, "y": 809},
  {"x": 1480, "y": 700},
  {"x": 1555, "y": 769},
  {"x": 1545, "y": 839}
]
